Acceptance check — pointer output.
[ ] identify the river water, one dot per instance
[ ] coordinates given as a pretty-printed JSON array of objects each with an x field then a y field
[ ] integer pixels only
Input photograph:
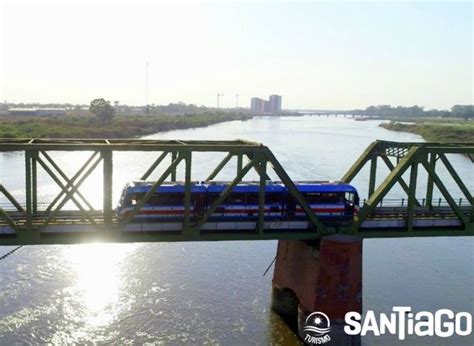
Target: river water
[{"x": 214, "y": 292}]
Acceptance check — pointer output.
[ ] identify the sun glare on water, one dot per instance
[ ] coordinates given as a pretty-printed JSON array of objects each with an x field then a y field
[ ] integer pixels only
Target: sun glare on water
[{"x": 97, "y": 269}]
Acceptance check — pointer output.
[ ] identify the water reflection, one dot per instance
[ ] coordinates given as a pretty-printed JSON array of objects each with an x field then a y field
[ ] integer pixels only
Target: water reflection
[{"x": 98, "y": 279}]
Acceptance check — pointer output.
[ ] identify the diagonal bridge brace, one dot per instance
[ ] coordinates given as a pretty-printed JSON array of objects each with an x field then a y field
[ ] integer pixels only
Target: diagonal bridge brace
[
  {"x": 222, "y": 197},
  {"x": 444, "y": 191},
  {"x": 385, "y": 186},
  {"x": 12, "y": 199},
  {"x": 220, "y": 166},
  {"x": 368, "y": 154},
  {"x": 14, "y": 202},
  {"x": 259, "y": 162},
  {"x": 400, "y": 180},
  {"x": 290, "y": 185},
  {"x": 371, "y": 153},
  {"x": 151, "y": 191},
  {"x": 9, "y": 220},
  {"x": 69, "y": 182},
  {"x": 227, "y": 158},
  {"x": 154, "y": 165},
  {"x": 69, "y": 193},
  {"x": 456, "y": 177}
]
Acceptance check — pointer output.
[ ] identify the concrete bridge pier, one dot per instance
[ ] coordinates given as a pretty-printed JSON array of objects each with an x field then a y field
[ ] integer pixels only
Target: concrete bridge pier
[{"x": 323, "y": 276}]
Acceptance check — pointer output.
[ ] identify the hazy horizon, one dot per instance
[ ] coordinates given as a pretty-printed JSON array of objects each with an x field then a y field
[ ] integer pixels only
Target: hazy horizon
[{"x": 316, "y": 55}]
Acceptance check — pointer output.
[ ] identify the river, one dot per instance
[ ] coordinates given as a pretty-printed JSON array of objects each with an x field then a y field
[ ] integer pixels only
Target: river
[{"x": 214, "y": 292}]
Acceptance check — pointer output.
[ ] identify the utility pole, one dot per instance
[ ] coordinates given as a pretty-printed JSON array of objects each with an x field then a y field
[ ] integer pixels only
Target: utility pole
[
  {"x": 146, "y": 86},
  {"x": 218, "y": 98},
  {"x": 237, "y": 101}
]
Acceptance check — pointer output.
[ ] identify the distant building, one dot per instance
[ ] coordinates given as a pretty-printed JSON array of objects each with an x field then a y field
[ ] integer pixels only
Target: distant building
[
  {"x": 37, "y": 111},
  {"x": 273, "y": 106},
  {"x": 266, "y": 106},
  {"x": 257, "y": 105}
]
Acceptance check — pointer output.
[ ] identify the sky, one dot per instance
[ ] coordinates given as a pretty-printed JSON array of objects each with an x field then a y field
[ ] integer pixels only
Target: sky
[{"x": 317, "y": 55}]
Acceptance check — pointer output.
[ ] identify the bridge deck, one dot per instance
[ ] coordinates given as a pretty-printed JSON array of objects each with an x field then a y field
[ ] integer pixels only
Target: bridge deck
[{"x": 72, "y": 227}]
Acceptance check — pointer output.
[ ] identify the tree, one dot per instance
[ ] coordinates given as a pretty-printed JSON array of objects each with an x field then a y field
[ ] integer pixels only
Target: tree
[
  {"x": 463, "y": 111},
  {"x": 102, "y": 110}
]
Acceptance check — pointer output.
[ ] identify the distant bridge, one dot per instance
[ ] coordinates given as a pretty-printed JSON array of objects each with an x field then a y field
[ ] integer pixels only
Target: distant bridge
[
  {"x": 30, "y": 223},
  {"x": 328, "y": 112}
]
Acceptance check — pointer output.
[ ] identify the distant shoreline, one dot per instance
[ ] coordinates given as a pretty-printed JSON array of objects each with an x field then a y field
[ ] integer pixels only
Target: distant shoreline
[{"x": 122, "y": 126}]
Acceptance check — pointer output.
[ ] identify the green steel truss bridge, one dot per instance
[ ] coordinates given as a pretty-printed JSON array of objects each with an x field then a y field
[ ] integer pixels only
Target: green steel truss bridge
[{"x": 27, "y": 223}]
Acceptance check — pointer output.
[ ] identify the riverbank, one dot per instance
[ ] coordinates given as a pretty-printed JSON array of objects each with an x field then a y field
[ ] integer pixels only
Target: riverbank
[
  {"x": 434, "y": 130},
  {"x": 443, "y": 131},
  {"x": 122, "y": 126}
]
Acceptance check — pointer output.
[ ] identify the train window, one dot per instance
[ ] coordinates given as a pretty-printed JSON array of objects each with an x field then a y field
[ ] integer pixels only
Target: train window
[
  {"x": 252, "y": 198},
  {"x": 270, "y": 198},
  {"x": 198, "y": 201},
  {"x": 212, "y": 197},
  {"x": 167, "y": 199},
  {"x": 236, "y": 198},
  {"x": 273, "y": 198},
  {"x": 314, "y": 198},
  {"x": 197, "y": 197},
  {"x": 155, "y": 200}
]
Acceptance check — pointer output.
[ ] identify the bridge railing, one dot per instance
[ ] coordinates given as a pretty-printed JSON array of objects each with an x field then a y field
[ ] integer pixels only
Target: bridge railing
[{"x": 421, "y": 202}]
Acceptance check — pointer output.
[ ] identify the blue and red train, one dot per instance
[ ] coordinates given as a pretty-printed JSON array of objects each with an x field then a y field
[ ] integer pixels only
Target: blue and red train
[{"x": 333, "y": 202}]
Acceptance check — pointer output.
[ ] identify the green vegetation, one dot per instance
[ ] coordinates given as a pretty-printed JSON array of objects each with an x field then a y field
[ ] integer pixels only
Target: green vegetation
[
  {"x": 121, "y": 126},
  {"x": 102, "y": 110},
  {"x": 437, "y": 130},
  {"x": 416, "y": 112}
]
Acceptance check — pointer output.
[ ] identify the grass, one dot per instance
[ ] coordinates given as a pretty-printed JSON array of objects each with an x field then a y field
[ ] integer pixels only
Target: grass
[{"x": 122, "y": 126}]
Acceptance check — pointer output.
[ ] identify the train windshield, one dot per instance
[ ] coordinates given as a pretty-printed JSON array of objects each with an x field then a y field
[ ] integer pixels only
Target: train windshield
[{"x": 352, "y": 197}]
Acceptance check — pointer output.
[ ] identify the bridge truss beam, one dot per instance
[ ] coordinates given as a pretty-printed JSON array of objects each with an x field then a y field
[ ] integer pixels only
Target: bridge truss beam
[
  {"x": 30, "y": 225},
  {"x": 33, "y": 226},
  {"x": 409, "y": 158}
]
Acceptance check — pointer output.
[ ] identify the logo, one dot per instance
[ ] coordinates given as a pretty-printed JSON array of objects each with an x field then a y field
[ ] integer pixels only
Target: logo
[
  {"x": 317, "y": 327},
  {"x": 403, "y": 321}
]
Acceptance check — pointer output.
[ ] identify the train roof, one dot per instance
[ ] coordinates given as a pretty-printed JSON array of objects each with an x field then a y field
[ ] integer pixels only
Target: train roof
[
  {"x": 144, "y": 187},
  {"x": 218, "y": 187},
  {"x": 306, "y": 187},
  {"x": 245, "y": 187},
  {"x": 325, "y": 187}
]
